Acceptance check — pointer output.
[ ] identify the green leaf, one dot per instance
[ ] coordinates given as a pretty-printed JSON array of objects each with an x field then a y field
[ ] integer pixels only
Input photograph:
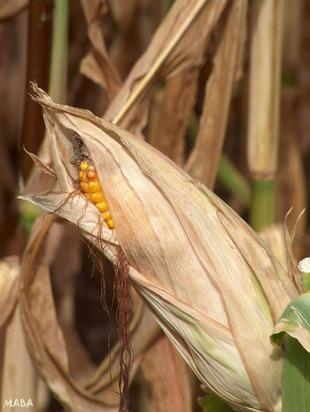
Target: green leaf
[
  {"x": 293, "y": 329},
  {"x": 295, "y": 321},
  {"x": 296, "y": 377},
  {"x": 211, "y": 403}
]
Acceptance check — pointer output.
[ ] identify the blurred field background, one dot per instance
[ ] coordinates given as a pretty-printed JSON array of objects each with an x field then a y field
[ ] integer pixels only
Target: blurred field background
[{"x": 230, "y": 102}]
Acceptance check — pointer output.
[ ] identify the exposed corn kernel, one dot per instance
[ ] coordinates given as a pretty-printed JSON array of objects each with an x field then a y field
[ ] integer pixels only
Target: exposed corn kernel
[
  {"x": 106, "y": 216},
  {"x": 84, "y": 179},
  {"x": 102, "y": 206},
  {"x": 91, "y": 174},
  {"x": 110, "y": 224},
  {"x": 93, "y": 191},
  {"x": 84, "y": 186},
  {"x": 84, "y": 165},
  {"x": 94, "y": 186},
  {"x": 97, "y": 197}
]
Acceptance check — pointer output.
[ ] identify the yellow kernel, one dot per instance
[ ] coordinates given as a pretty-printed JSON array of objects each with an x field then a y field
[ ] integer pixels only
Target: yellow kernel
[
  {"x": 91, "y": 174},
  {"x": 84, "y": 186},
  {"x": 94, "y": 187},
  {"x": 102, "y": 206},
  {"x": 88, "y": 196},
  {"x": 84, "y": 165},
  {"x": 81, "y": 174},
  {"x": 110, "y": 224},
  {"x": 106, "y": 216},
  {"x": 97, "y": 197},
  {"x": 84, "y": 179},
  {"x": 91, "y": 167}
]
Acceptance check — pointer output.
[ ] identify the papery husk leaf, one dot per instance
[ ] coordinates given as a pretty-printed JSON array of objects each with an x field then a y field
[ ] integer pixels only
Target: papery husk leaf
[
  {"x": 206, "y": 345},
  {"x": 217, "y": 258},
  {"x": 295, "y": 321},
  {"x": 274, "y": 236}
]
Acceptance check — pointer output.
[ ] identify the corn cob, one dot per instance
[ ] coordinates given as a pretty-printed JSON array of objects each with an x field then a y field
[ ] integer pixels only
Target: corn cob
[{"x": 92, "y": 189}]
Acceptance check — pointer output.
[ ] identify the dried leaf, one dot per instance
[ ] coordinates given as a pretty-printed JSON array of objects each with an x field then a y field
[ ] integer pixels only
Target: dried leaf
[
  {"x": 264, "y": 87},
  {"x": 97, "y": 64},
  {"x": 20, "y": 382},
  {"x": 136, "y": 21},
  {"x": 204, "y": 158},
  {"x": 170, "y": 379},
  {"x": 42, "y": 166},
  {"x": 291, "y": 184},
  {"x": 143, "y": 332},
  {"x": 9, "y": 276},
  {"x": 9, "y": 8},
  {"x": 43, "y": 335},
  {"x": 164, "y": 59},
  {"x": 172, "y": 121},
  {"x": 93, "y": 389}
]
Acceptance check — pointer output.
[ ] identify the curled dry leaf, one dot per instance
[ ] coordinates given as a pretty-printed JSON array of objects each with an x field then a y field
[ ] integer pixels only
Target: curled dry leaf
[
  {"x": 43, "y": 334},
  {"x": 215, "y": 289},
  {"x": 290, "y": 175},
  {"x": 97, "y": 64},
  {"x": 9, "y": 275},
  {"x": 93, "y": 389},
  {"x": 9, "y": 8},
  {"x": 204, "y": 158},
  {"x": 142, "y": 334},
  {"x": 168, "y": 132},
  {"x": 163, "y": 368},
  {"x": 164, "y": 59},
  {"x": 19, "y": 377}
]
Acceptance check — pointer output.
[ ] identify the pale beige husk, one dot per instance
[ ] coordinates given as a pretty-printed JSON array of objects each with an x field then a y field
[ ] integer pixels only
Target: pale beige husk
[{"x": 214, "y": 288}]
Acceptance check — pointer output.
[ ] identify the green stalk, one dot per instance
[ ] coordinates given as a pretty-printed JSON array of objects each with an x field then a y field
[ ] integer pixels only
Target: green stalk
[
  {"x": 233, "y": 180},
  {"x": 296, "y": 377},
  {"x": 58, "y": 72},
  {"x": 262, "y": 204}
]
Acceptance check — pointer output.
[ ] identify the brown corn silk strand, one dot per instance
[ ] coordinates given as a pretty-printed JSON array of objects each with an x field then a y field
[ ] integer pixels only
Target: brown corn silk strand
[
  {"x": 123, "y": 315},
  {"x": 122, "y": 290}
]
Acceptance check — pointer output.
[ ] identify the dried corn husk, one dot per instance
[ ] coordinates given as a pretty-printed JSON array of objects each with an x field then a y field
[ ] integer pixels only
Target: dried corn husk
[{"x": 214, "y": 287}]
